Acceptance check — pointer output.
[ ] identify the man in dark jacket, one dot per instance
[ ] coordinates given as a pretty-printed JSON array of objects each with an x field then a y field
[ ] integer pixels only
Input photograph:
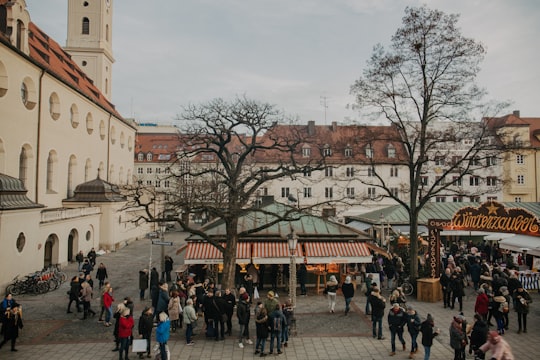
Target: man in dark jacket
[
  {"x": 212, "y": 314},
  {"x": 146, "y": 324},
  {"x": 378, "y": 303},
  {"x": 230, "y": 303},
  {"x": 302, "y": 278},
  {"x": 242, "y": 312},
  {"x": 445, "y": 286},
  {"x": 397, "y": 319},
  {"x": 143, "y": 282}
]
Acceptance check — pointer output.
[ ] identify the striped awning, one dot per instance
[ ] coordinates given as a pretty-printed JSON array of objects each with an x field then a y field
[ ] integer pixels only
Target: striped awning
[
  {"x": 275, "y": 253},
  {"x": 326, "y": 252},
  {"x": 206, "y": 253}
]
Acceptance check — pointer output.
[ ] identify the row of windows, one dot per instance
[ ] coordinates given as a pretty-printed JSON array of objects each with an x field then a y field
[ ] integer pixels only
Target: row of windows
[
  {"x": 156, "y": 183},
  {"x": 350, "y": 192},
  {"x": 348, "y": 151},
  {"x": 28, "y": 94},
  {"x": 473, "y": 180},
  {"x": 150, "y": 170}
]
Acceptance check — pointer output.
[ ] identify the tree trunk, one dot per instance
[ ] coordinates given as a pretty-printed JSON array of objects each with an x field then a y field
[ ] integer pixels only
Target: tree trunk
[{"x": 229, "y": 255}]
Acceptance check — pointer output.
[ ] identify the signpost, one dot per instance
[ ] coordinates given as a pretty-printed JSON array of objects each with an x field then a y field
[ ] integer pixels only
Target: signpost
[{"x": 161, "y": 242}]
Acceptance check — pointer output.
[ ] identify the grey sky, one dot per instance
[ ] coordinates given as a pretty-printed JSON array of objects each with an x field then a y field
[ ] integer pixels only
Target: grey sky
[{"x": 291, "y": 53}]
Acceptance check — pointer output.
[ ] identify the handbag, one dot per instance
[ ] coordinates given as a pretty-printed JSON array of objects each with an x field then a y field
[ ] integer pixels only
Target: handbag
[
  {"x": 139, "y": 345},
  {"x": 255, "y": 293}
]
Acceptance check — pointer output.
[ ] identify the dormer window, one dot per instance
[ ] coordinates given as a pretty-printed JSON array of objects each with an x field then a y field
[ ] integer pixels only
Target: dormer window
[
  {"x": 140, "y": 157},
  {"x": 149, "y": 157},
  {"x": 369, "y": 151},
  {"x": 327, "y": 151},
  {"x": 391, "y": 151},
  {"x": 348, "y": 151},
  {"x": 306, "y": 151}
]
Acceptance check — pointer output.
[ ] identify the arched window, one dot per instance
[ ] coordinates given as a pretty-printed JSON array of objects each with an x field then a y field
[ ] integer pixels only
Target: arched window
[
  {"x": 52, "y": 161},
  {"x": 23, "y": 167},
  {"x": 149, "y": 157},
  {"x": 87, "y": 169},
  {"x": 107, "y": 32},
  {"x": 85, "y": 26},
  {"x": 140, "y": 157},
  {"x": 20, "y": 34},
  {"x": 72, "y": 166}
]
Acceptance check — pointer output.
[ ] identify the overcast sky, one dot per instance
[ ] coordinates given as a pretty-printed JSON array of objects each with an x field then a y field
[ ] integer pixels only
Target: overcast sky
[{"x": 296, "y": 54}]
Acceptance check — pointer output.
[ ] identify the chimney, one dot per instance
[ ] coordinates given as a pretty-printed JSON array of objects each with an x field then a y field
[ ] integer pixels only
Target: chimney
[
  {"x": 334, "y": 126},
  {"x": 311, "y": 127},
  {"x": 516, "y": 113}
]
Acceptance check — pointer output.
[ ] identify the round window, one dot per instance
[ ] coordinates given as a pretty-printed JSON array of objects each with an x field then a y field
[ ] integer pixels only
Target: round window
[{"x": 21, "y": 241}]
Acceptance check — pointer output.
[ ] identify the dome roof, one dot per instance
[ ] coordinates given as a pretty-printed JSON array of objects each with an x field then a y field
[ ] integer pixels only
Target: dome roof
[
  {"x": 13, "y": 194},
  {"x": 97, "y": 190}
]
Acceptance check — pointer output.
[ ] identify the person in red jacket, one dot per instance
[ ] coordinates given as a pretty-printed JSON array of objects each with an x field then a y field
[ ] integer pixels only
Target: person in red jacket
[
  {"x": 481, "y": 306},
  {"x": 107, "y": 303},
  {"x": 124, "y": 333}
]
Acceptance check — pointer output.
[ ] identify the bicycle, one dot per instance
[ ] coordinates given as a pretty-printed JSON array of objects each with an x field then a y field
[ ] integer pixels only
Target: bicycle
[{"x": 405, "y": 285}]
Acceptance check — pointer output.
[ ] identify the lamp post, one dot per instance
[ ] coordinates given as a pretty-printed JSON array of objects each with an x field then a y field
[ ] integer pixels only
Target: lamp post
[
  {"x": 162, "y": 228},
  {"x": 292, "y": 239}
]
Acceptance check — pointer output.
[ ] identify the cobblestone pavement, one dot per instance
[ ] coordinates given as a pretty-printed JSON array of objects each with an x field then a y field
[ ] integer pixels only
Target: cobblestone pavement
[{"x": 50, "y": 332}]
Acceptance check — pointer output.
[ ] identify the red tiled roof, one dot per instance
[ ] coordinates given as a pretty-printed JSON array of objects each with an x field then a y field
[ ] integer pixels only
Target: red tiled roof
[
  {"x": 162, "y": 146},
  {"x": 51, "y": 57}
]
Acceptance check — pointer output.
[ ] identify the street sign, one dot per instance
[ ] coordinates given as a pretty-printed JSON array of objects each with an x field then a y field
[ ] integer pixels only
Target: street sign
[{"x": 159, "y": 242}]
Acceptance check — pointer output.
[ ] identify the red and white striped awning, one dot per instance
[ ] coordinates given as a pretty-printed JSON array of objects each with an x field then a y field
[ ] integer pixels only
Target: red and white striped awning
[
  {"x": 274, "y": 253},
  {"x": 326, "y": 252},
  {"x": 206, "y": 253}
]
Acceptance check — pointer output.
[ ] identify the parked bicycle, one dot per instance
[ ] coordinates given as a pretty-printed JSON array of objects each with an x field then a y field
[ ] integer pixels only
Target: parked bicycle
[
  {"x": 405, "y": 285},
  {"x": 39, "y": 282}
]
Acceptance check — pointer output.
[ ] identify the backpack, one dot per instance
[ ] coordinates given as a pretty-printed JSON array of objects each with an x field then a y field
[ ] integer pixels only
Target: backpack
[{"x": 276, "y": 326}]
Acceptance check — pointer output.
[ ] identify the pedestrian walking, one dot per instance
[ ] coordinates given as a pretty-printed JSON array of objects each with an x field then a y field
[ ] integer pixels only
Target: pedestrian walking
[
  {"x": 11, "y": 323},
  {"x": 163, "y": 334},
  {"x": 331, "y": 291},
  {"x": 102, "y": 311},
  {"x": 125, "y": 328},
  {"x": 108, "y": 300},
  {"x": 143, "y": 283},
  {"x": 86, "y": 296},
  {"x": 378, "y": 303},
  {"x": 243, "y": 314},
  {"x": 523, "y": 299},
  {"x": 168, "y": 268},
  {"x": 146, "y": 324},
  {"x": 397, "y": 318},
  {"x": 117, "y": 315},
  {"x": 499, "y": 348},
  {"x": 277, "y": 319},
  {"x": 261, "y": 324},
  {"x": 458, "y": 337},
  {"x": 348, "y": 292},
  {"x": 190, "y": 319},
  {"x": 80, "y": 259},
  {"x": 428, "y": 334},
  {"x": 413, "y": 327},
  {"x": 445, "y": 286},
  {"x": 74, "y": 293},
  {"x": 478, "y": 336},
  {"x": 101, "y": 274}
]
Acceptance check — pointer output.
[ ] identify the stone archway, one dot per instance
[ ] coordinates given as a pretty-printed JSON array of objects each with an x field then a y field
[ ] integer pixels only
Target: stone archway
[
  {"x": 72, "y": 245},
  {"x": 50, "y": 254}
]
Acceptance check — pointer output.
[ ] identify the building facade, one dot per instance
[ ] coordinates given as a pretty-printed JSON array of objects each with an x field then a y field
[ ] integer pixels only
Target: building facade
[{"x": 58, "y": 130}]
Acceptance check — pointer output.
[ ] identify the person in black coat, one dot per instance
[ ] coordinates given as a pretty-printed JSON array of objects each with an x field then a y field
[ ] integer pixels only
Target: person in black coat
[
  {"x": 92, "y": 257},
  {"x": 230, "y": 303},
  {"x": 445, "y": 286},
  {"x": 154, "y": 286},
  {"x": 146, "y": 322},
  {"x": 378, "y": 303},
  {"x": 74, "y": 293},
  {"x": 457, "y": 287},
  {"x": 101, "y": 274},
  {"x": 478, "y": 336},
  {"x": 397, "y": 319},
  {"x": 11, "y": 323},
  {"x": 143, "y": 283},
  {"x": 348, "y": 292},
  {"x": 426, "y": 328},
  {"x": 302, "y": 278},
  {"x": 168, "y": 268}
]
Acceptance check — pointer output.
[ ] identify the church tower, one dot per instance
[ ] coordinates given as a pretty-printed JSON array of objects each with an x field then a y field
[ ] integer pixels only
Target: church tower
[{"x": 89, "y": 40}]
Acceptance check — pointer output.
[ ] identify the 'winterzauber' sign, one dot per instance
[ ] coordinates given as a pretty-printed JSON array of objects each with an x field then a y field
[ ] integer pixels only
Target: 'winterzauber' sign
[
  {"x": 490, "y": 216},
  {"x": 493, "y": 216}
]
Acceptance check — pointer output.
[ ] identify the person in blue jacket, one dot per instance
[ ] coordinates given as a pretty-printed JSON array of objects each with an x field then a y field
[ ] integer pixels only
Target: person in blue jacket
[{"x": 162, "y": 334}]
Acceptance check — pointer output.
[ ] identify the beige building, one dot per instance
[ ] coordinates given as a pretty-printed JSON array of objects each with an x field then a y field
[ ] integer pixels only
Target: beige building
[
  {"x": 61, "y": 140},
  {"x": 521, "y": 166}
]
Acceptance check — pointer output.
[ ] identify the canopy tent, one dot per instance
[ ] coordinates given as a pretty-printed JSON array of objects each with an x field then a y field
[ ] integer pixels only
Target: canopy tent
[
  {"x": 337, "y": 252},
  {"x": 498, "y": 236},
  {"x": 522, "y": 243}
]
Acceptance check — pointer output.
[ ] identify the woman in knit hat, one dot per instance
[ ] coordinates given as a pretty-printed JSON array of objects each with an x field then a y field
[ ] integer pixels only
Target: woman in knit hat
[{"x": 331, "y": 290}]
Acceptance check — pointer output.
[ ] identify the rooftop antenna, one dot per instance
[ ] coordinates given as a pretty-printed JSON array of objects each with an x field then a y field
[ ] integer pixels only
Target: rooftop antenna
[{"x": 325, "y": 106}]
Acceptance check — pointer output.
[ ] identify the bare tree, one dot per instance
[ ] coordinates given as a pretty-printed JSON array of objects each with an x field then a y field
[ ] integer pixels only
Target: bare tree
[
  {"x": 424, "y": 86},
  {"x": 224, "y": 147}
]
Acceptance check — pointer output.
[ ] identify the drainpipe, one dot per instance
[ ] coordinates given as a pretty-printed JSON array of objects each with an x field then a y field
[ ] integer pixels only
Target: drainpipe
[
  {"x": 108, "y": 146},
  {"x": 38, "y": 140}
]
